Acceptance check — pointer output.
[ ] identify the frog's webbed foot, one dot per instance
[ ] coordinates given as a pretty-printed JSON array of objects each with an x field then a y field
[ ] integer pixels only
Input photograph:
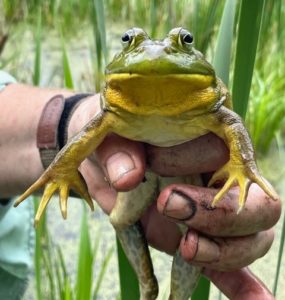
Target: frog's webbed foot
[
  {"x": 54, "y": 181},
  {"x": 243, "y": 175}
]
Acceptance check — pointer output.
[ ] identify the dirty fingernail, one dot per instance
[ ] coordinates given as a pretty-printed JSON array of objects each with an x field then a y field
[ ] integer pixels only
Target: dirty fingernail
[
  {"x": 118, "y": 165},
  {"x": 207, "y": 251},
  {"x": 180, "y": 206}
]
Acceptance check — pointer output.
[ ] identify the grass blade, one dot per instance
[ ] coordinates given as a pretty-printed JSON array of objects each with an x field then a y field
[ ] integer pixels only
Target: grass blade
[
  {"x": 222, "y": 58},
  {"x": 38, "y": 39},
  {"x": 98, "y": 23},
  {"x": 61, "y": 261},
  {"x": 85, "y": 261},
  {"x": 248, "y": 33},
  {"x": 68, "y": 82},
  {"x": 202, "y": 21},
  {"x": 280, "y": 254},
  {"x": 66, "y": 290},
  {"x": 202, "y": 291},
  {"x": 102, "y": 272},
  {"x": 153, "y": 17},
  {"x": 67, "y": 295},
  {"x": 50, "y": 274},
  {"x": 60, "y": 284},
  {"x": 38, "y": 253},
  {"x": 100, "y": 18},
  {"x": 128, "y": 279}
]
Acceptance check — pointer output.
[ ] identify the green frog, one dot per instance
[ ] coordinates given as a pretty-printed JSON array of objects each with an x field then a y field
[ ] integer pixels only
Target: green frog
[{"x": 161, "y": 92}]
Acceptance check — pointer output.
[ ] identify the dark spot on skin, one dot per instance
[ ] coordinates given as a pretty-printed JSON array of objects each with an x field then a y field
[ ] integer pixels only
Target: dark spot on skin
[{"x": 205, "y": 205}]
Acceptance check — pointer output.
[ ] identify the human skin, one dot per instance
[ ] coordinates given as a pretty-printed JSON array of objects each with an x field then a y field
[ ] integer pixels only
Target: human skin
[{"x": 218, "y": 246}]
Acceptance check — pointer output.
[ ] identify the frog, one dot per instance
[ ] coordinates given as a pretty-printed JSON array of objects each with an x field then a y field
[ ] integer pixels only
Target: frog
[{"x": 164, "y": 93}]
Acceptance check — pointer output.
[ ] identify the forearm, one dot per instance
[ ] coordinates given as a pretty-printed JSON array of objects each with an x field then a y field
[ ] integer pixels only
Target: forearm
[
  {"x": 20, "y": 110},
  {"x": 229, "y": 126}
]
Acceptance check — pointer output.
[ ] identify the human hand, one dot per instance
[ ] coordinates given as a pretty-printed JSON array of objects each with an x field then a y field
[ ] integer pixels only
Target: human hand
[{"x": 219, "y": 239}]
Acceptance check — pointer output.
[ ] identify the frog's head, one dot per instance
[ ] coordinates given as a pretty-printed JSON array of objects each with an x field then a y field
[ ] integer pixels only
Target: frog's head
[{"x": 150, "y": 75}]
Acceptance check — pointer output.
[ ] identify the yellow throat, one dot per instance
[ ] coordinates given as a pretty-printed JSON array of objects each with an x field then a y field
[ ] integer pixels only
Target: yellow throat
[{"x": 165, "y": 95}]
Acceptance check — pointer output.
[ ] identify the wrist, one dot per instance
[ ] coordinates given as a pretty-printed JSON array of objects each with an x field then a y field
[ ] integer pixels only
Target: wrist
[
  {"x": 52, "y": 132},
  {"x": 83, "y": 113}
]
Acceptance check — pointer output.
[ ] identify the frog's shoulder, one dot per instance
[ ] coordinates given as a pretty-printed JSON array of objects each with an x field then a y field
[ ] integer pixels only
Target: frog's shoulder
[{"x": 225, "y": 97}]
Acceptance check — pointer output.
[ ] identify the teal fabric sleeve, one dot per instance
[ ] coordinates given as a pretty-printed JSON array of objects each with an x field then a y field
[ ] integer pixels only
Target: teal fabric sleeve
[
  {"x": 5, "y": 79},
  {"x": 17, "y": 238},
  {"x": 12, "y": 287}
]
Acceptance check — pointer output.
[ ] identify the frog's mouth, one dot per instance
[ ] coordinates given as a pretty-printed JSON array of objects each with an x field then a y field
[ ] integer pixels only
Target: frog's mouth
[
  {"x": 196, "y": 81},
  {"x": 170, "y": 94}
]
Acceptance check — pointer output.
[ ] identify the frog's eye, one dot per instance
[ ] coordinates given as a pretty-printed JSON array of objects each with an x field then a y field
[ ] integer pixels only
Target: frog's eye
[
  {"x": 127, "y": 38},
  {"x": 182, "y": 37},
  {"x": 188, "y": 38}
]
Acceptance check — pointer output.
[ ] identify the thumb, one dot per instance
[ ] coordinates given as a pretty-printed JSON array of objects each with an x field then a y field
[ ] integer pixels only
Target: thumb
[{"x": 122, "y": 161}]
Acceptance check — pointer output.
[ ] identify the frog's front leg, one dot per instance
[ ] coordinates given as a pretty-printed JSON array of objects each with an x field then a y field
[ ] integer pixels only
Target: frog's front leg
[
  {"x": 62, "y": 174},
  {"x": 128, "y": 209},
  {"x": 241, "y": 167}
]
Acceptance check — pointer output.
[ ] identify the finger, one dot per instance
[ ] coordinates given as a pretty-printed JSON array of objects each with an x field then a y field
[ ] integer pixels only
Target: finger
[
  {"x": 160, "y": 233},
  {"x": 239, "y": 285},
  {"x": 191, "y": 205},
  {"x": 225, "y": 254},
  {"x": 123, "y": 162},
  {"x": 189, "y": 158},
  {"x": 98, "y": 187}
]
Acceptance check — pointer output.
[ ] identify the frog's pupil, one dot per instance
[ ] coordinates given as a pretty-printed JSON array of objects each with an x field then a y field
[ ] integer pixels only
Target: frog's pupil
[
  {"x": 188, "y": 38},
  {"x": 125, "y": 37}
]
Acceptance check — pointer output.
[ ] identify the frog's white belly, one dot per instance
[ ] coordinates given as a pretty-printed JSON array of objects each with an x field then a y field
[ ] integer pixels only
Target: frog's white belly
[{"x": 159, "y": 130}]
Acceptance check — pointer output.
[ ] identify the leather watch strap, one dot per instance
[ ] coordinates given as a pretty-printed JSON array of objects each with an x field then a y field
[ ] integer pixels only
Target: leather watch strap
[
  {"x": 53, "y": 125},
  {"x": 47, "y": 132}
]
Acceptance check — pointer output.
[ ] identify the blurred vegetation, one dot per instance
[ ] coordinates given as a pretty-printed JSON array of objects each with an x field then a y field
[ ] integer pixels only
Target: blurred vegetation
[
  {"x": 96, "y": 26},
  {"x": 52, "y": 278},
  {"x": 68, "y": 43}
]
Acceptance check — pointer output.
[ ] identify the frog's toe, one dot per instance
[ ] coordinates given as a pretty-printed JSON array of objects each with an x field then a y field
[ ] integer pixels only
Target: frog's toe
[
  {"x": 219, "y": 176},
  {"x": 236, "y": 175},
  {"x": 63, "y": 197},
  {"x": 49, "y": 191},
  {"x": 33, "y": 188},
  {"x": 222, "y": 191},
  {"x": 81, "y": 188},
  {"x": 266, "y": 186},
  {"x": 244, "y": 188}
]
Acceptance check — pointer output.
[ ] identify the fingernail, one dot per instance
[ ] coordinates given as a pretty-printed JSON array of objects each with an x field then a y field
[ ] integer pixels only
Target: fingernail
[
  {"x": 180, "y": 206},
  {"x": 118, "y": 165},
  {"x": 208, "y": 251}
]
